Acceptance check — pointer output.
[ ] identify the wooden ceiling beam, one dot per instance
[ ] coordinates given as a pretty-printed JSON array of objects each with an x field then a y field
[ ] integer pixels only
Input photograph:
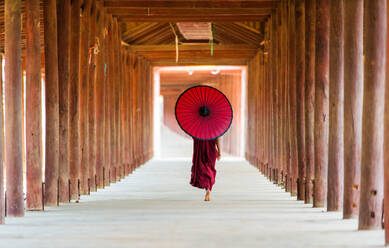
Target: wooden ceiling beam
[
  {"x": 125, "y": 11},
  {"x": 193, "y": 3},
  {"x": 192, "y": 47},
  {"x": 194, "y": 18},
  {"x": 200, "y": 61},
  {"x": 147, "y": 34}
]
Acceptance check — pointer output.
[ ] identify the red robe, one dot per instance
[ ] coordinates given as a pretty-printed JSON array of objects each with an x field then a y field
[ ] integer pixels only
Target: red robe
[{"x": 203, "y": 168}]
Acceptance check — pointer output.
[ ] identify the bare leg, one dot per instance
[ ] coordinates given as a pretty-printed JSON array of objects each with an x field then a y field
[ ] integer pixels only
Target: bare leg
[{"x": 207, "y": 195}]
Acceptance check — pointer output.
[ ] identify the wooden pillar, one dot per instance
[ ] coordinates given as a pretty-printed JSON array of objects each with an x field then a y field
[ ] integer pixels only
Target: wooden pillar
[
  {"x": 335, "y": 146},
  {"x": 13, "y": 109},
  {"x": 125, "y": 127},
  {"x": 321, "y": 102},
  {"x": 99, "y": 97},
  {"x": 353, "y": 101},
  {"x": 267, "y": 99},
  {"x": 284, "y": 62},
  {"x": 117, "y": 98},
  {"x": 33, "y": 108},
  {"x": 2, "y": 202},
  {"x": 370, "y": 211},
  {"x": 300, "y": 95},
  {"x": 52, "y": 114},
  {"x": 292, "y": 103},
  {"x": 83, "y": 91},
  {"x": 107, "y": 98},
  {"x": 63, "y": 14},
  {"x": 274, "y": 96},
  {"x": 111, "y": 101},
  {"x": 91, "y": 98},
  {"x": 310, "y": 18},
  {"x": 386, "y": 143},
  {"x": 74, "y": 153}
]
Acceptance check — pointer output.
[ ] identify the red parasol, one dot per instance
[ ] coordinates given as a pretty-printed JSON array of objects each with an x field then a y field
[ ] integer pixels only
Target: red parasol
[{"x": 203, "y": 112}]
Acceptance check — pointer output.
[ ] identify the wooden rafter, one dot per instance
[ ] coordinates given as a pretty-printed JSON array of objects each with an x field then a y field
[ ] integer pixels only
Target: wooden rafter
[{"x": 193, "y": 3}]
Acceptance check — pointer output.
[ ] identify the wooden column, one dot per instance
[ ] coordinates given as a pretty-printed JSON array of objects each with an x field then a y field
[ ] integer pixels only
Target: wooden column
[
  {"x": 386, "y": 143},
  {"x": 125, "y": 127},
  {"x": 52, "y": 114},
  {"x": 131, "y": 111},
  {"x": 99, "y": 97},
  {"x": 300, "y": 95},
  {"x": 353, "y": 99},
  {"x": 63, "y": 13},
  {"x": 13, "y": 109},
  {"x": 107, "y": 98},
  {"x": 284, "y": 61},
  {"x": 83, "y": 91},
  {"x": 292, "y": 103},
  {"x": 370, "y": 211},
  {"x": 111, "y": 100},
  {"x": 2, "y": 200},
  {"x": 117, "y": 84},
  {"x": 275, "y": 71},
  {"x": 335, "y": 148},
  {"x": 321, "y": 102},
  {"x": 74, "y": 153},
  {"x": 33, "y": 108},
  {"x": 310, "y": 18},
  {"x": 91, "y": 98},
  {"x": 117, "y": 98}
]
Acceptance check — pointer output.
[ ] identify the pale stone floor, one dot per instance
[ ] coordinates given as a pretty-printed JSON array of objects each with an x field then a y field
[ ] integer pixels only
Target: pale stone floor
[{"x": 156, "y": 207}]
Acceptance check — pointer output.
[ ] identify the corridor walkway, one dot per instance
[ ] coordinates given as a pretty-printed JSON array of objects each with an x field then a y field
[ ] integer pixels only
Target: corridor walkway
[{"x": 156, "y": 207}]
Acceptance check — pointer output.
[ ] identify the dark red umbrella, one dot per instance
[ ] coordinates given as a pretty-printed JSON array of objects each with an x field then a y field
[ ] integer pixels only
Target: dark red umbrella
[{"x": 203, "y": 112}]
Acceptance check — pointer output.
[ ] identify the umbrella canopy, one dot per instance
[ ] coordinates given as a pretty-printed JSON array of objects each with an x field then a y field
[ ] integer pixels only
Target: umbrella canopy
[{"x": 203, "y": 112}]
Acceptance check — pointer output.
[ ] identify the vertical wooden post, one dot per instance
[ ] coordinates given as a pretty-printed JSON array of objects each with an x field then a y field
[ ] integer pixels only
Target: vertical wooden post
[
  {"x": 2, "y": 200},
  {"x": 99, "y": 97},
  {"x": 292, "y": 103},
  {"x": 300, "y": 95},
  {"x": 116, "y": 99},
  {"x": 111, "y": 101},
  {"x": 131, "y": 111},
  {"x": 353, "y": 101},
  {"x": 321, "y": 102},
  {"x": 83, "y": 91},
  {"x": 107, "y": 98},
  {"x": 335, "y": 149},
  {"x": 52, "y": 114},
  {"x": 310, "y": 19},
  {"x": 63, "y": 13},
  {"x": 91, "y": 98},
  {"x": 33, "y": 108},
  {"x": 386, "y": 142},
  {"x": 118, "y": 83},
  {"x": 370, "y": 211},
  {"x": 74, "y": 153},
  {"x": 284, "y": 61},
  {"x": 13, "y": 109},
  {"x": 124, "y": 111}
]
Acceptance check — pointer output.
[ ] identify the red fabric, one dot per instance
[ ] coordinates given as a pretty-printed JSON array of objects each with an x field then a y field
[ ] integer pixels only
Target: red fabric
[{"x": 203, "y": 167}]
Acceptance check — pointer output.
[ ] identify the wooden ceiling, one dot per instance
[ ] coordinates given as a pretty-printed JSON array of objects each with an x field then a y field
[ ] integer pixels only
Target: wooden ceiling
[{"x": 150, "y": 28}]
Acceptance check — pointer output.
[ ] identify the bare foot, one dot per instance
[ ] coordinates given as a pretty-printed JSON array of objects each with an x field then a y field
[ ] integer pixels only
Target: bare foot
[{"x": 207, "y": 195}]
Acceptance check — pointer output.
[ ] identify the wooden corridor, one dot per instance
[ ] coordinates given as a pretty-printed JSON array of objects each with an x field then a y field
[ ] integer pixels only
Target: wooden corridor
[{"x": 78, "y": 93}]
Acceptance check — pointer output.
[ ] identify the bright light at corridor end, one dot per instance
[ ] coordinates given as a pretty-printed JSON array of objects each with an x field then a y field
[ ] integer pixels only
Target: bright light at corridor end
[{"x": 214, "y": 70}]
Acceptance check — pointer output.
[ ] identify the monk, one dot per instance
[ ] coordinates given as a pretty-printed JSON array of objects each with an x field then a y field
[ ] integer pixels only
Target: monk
[{"x": 205, "y": 153}]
